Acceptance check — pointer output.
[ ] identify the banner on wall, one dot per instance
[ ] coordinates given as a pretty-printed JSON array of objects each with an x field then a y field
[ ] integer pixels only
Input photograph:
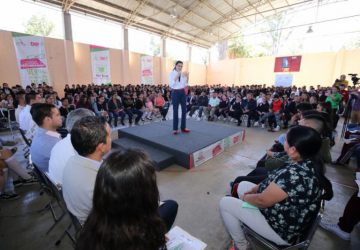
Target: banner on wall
[
  {"x": 31, "y": 58},
  {"x": 100, "y": 64},
  {"x": 284, "y": 80},
  {"x": 287, "y": 64},
  {"x": 147, "y": 76}
]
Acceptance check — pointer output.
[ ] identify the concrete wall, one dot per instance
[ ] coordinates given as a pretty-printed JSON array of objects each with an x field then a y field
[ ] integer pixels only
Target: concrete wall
[
  {"x": 317, "y": 68},
  {"x": 70, "y": 62}
]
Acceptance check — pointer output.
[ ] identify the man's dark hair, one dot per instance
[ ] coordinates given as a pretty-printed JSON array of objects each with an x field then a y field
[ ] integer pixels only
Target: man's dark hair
[
  {"x": 304, "y": 106},
  {"x": 29, "y": 97},
  {"x": 87, "y": 133},
  {"x": 39, "y": 111}
]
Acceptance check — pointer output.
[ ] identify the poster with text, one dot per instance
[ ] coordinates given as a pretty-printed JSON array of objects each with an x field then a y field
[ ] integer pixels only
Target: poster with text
[
  {"x": 287, "y": 64},
  {"x": 100, "y": 64},
  {"x": 31, "y": 58},
  {"x": 284, "y": 80},
  {"x": 147, "y": 76}
]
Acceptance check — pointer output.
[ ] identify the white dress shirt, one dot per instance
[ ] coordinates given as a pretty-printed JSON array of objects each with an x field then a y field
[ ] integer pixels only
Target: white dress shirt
[
  {"x": 177, "y": 84},
  {"x": 60, "y": 154},
  {"x": 25, "y": 118},
  {"x": 78, "y": 185},
  {"x": 18, "y": 111}
]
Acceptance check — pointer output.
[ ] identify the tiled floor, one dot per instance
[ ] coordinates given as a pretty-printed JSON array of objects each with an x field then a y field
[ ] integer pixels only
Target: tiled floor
[{"x": 197, "y": 191}]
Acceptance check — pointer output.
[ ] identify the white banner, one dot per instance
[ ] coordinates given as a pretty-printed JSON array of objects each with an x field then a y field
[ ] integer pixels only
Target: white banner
[
  {"x": 31, "y": 58},
  {"x": 207, "y": 153},
  {"x": 284, "y": 80},
  {"x": 100, "y": 63},
  {"x": 147, "y": 76},
  {"x": 233, "y": 140}
]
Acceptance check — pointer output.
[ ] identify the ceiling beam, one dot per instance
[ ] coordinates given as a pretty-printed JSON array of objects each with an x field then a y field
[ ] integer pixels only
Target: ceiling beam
[
  {"x": 191, "y": 10},
  {"x": 236, "y": 10},
  {"x": 179, "y": 18},
  {"x": 67, "y": 4},
  {"x": 166, "y": 26},
  {"x": 134, "y": 12},
  {"x": 120, "y": 19},
  {"x": 225, "y": 18},
  {"x": 160, "y": 10},
  {"x": 256, "y": 10},
  {"x": 270, "y": 10}
]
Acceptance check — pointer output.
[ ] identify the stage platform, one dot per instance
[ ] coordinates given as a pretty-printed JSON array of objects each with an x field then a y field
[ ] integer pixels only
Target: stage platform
[{"x": 205, "y": 141}]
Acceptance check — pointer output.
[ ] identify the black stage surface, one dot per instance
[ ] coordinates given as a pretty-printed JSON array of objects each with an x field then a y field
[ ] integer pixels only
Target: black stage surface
[{"x": 205, "y": 141}]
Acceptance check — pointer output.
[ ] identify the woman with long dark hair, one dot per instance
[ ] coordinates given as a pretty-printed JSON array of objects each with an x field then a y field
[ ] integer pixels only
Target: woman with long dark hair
[
  {"x": 287, "y": 201},
  {"x": 178, "y": 81},
  {"x": 125, "y": 213}
]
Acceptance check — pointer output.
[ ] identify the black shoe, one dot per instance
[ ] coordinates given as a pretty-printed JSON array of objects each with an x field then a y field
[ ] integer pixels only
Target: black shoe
[
  {"x": 136, "y": 123},
  {"x": 9, "y": 197},
  {"x": 239, "y": 124},
  {"x": 164, "y": 119}
]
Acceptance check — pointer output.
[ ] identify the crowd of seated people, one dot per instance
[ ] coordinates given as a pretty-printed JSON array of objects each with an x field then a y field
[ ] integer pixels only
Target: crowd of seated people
[
  {"x": 87, "y": 113},
  {"x": 89, "y": 182},
  {"x": 270, "y": 107}
]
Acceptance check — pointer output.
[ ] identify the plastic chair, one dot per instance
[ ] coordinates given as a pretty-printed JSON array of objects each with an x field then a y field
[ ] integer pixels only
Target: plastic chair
[
  {"x": 26, "y": 140},
  {"x": 303, "y": 242},
  {"x": 75, "y": 223},
  {"x": 53, "y": 191},
  {"x": 56, "y": 190}
]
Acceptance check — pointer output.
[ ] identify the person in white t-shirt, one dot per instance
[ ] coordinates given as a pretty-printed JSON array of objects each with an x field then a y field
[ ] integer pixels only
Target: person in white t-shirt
[{"x": 64, "y": 150}]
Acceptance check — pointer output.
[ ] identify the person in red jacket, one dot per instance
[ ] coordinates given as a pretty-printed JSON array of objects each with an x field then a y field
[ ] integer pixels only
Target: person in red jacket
[{"x": 275, "y": 109}]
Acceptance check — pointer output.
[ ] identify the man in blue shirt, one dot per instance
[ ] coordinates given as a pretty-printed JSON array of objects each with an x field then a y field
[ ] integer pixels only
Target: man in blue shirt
[{"x": 48, "y": 118}]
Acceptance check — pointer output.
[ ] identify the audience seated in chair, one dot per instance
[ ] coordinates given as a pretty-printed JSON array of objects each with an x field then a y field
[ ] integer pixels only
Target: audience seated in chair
[
  {"x": 213, "y": 105},
  {"x": 236, "y": 110},
  {"x": 64, "y": 150},
  {"x": 130, "y": 110},
  {"x": 126, "y": 212},
  {"x": 262, "y": 110},
  {"x": 26, "y": 122},
  {"x": 249, "y": 108},
  {"x": 160, "y": 104},
  {"x": 116, "y": 109},
  {"x": 101, "y": 109},
  {"x": 48, "y": 119},
  {"x": 191, "y": 100},
  {"x": 202, "y": 103},
  {"x": 223, "y": 107},
  {"x": 287, "y": 200},
  {"x": 276, "y": 157},
  {"x": 65, "y": 108},
  {"x": 90, "y": 137}
]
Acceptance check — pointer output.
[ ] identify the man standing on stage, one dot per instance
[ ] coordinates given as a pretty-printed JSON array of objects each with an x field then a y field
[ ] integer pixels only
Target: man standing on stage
[{"x": 178, "y": 82}]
